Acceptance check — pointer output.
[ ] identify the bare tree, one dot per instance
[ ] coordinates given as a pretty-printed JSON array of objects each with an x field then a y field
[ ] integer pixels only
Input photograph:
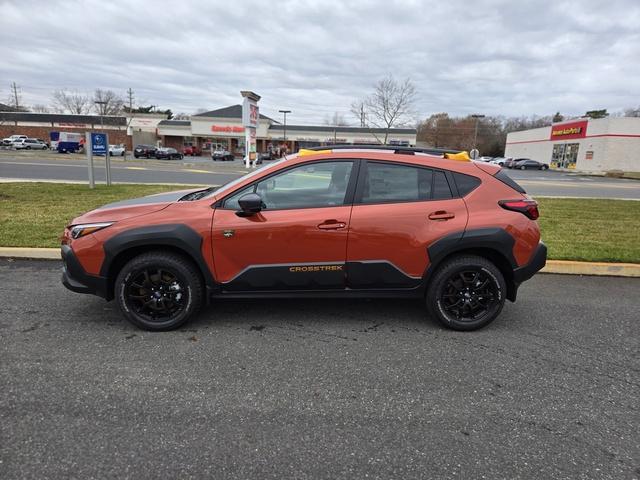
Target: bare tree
[
  {"x": 632, "y": 112},
  {"x": 336, "y": 120},
  {"x": 40, "y": 108},
  {"x": 71, "y": 102},
  {"x": 390, "y": 105},
  {"x": 106, "y": 102}
]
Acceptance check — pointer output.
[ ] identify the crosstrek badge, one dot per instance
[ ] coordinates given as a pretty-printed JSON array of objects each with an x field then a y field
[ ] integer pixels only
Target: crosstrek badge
[{"x": 316, "y": 268}]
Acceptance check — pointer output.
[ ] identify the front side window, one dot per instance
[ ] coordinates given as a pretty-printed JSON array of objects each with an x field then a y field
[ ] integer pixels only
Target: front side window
[{"x": 306, "y": 186}]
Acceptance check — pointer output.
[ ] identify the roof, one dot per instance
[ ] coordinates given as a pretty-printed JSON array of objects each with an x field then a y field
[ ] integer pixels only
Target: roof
[
  {"x": 234, "y": 111},
  {"x": 61, "y": 117},
  {"x": 175, "y": 123},
  {"x": 329, "y": 128}
]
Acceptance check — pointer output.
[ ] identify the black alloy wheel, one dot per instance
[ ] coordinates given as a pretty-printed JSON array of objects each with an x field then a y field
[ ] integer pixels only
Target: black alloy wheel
[
  {"x": 159, "y": 290},
  {"x": 466, "y": 293}
]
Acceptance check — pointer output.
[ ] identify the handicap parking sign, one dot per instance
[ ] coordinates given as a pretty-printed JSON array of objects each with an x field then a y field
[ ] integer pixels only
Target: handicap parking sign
[{"x": 99, "y": 143}]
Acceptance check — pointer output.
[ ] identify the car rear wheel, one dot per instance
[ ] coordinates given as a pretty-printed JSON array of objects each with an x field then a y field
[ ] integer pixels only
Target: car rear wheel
[
  {"x": 466, "y": 293},
  {"x": 159, "y": 291},
  {"x": 523, "y": 167},
  {"x": 543, "y": 167}
]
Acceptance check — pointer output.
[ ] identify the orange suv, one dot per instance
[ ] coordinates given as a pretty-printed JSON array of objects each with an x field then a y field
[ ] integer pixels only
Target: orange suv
[{"x": 343, "y": 222}]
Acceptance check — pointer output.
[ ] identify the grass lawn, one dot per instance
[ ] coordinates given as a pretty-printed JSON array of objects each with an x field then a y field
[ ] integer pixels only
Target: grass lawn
[
  {"x": 34, "y": 214},
  {"x": 591, "y": 230}
]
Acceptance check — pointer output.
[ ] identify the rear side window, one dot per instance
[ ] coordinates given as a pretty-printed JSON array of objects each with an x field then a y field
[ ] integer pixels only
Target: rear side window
[
  {"x": 507, "y": 180},
  {"x": 386, "y": 183},
  {"x": 465, "y": 183}
]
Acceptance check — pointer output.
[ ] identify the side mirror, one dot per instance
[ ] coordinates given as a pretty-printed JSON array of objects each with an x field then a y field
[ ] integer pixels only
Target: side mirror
[{"x": 250, "y": 204}]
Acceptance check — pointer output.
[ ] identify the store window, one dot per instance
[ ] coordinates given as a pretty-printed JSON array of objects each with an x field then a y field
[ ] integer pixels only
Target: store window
[{"x": 564, "y": 155}]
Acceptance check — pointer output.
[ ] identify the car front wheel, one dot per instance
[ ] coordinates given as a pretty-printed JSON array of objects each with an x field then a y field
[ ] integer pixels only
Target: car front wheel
[
  {"x": 466, "y": 293},
  {"x": 523, "y": 167},
  {"x": 159, "y": 290}
]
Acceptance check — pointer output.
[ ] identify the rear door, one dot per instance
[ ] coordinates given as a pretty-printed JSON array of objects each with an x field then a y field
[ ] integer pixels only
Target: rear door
[
  {"x": 299, "y": 239},
  {"x": 398, "y": 211}
]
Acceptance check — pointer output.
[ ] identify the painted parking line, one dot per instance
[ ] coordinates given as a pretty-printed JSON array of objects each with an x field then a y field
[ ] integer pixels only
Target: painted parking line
[
  {"x": 193, "y": 170},
  {"x": 135, "y": 168}
]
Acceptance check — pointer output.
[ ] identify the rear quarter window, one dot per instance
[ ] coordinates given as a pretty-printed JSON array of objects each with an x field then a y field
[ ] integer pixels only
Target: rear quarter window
[
  {"x": 465, "y": 183},
  {"x": 507, "y": 180}
]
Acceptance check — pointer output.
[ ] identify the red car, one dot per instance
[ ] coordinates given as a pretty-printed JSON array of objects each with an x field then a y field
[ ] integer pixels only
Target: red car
[
  {"x": 341, "y": 222},
  {"x": 191, "y": 150}
]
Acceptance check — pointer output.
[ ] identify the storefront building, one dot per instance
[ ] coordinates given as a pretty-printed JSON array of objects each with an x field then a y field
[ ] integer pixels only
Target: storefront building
[
  {"x": 589, "y": 145},
  {"x": 223, "y": 129}
]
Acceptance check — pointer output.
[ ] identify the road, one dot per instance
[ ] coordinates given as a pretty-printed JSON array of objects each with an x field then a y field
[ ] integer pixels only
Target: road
[
  {"x": 320, "y": 389},
  {"x": 202, "y": 171}
]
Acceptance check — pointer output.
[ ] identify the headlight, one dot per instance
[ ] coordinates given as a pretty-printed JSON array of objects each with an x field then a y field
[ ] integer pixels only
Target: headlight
[{"x": 81, "y": 230}]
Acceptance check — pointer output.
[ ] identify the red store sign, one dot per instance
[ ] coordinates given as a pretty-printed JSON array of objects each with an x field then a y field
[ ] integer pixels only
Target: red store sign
[
  {"x": 567, "y": 131},
  {"x": 226, "y": 129}
]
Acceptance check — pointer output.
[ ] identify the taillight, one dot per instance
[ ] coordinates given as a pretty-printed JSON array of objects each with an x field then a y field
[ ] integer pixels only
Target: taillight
[{"x": 528, "y": 208}]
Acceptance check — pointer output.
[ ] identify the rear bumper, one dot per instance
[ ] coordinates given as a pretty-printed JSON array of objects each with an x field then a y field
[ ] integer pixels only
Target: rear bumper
[
  {"x": 77, "y": 280},
  {"x": 537, "y": 262}
]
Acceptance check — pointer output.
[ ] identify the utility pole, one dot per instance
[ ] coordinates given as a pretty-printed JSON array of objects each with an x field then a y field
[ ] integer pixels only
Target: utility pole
[
  {"x": 477, "y": 116},
  {"x": 130, "y": 94},
  {"x": 16, "y": 101}
]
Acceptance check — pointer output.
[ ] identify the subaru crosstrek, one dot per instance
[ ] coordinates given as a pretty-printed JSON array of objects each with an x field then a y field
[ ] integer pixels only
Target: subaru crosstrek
[{"x": 343, "y": 222}]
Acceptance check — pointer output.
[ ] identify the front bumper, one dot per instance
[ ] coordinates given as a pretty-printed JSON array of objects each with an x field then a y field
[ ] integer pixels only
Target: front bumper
[
  {"x": 77, "y": 280},
  {"x": 537, "y": 262}
]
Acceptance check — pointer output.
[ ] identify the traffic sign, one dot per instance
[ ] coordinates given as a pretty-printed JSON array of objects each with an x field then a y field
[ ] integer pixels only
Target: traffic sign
[{"x": 474, "y": 154}]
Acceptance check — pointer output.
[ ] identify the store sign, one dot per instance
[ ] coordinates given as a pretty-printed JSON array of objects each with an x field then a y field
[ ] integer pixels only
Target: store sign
[
  {"x": 72, "y": 125},
  {"x": 226, "y": 129},
  {"x": 568, "y": 131},
  {"x": 99, "y": 143},
  {"x": 250, "y": 113}
]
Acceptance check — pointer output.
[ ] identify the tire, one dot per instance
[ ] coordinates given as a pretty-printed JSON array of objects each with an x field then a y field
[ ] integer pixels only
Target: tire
[
  {"x": 450, "y": 286},
  {"x": 177, "y": 291},
  {"x": 523, "y": 167},
  {"x": 543, "y": 167},
  {"x": 122, "y": 154},
  {"x": 28, "y": 148}
]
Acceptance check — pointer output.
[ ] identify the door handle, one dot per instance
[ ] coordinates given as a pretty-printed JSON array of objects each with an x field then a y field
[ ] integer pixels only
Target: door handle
[
  {"x": 331, "y": 225},
  {"x": 441, "y": 215}
]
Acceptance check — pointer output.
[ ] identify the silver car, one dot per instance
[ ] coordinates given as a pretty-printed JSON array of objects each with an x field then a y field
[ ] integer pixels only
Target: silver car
[{"x": 29, "y": 144}]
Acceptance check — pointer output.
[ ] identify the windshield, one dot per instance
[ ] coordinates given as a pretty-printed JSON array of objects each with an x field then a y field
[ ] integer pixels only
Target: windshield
[{"x": 233, "y": 183}]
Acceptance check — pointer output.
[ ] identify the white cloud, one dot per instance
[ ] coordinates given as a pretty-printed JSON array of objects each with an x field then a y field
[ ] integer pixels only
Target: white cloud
[{"x": 316, "y": 57}]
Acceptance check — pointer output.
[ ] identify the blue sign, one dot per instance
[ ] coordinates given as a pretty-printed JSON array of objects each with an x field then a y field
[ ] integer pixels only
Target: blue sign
[{"x": 99, "y": 143}]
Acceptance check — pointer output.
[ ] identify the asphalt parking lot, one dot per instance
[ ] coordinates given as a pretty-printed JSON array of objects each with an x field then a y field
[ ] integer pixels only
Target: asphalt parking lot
[{"x": 319, "y": 389}]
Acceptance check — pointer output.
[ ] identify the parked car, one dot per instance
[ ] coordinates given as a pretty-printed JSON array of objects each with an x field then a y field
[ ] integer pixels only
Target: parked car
[
  {"x": 510, "y": 162},
  {"x": 499, "y": 161},
  {"x": 191, "y": 150},
  {"x": 145, "y": 151},
  {"x": 320, "y": 223},
  {"x": 29, "y": 144},
  {"x": 8, "y": 142},
  {"x": 168, "y": 154},
  {"x": 117, "y": 150},
  {"x": 48, "y": 144},
  {"x": 527, "y": 163},
  {"x": 485, "y": 159},
  {"x": 222, "y": 155}
]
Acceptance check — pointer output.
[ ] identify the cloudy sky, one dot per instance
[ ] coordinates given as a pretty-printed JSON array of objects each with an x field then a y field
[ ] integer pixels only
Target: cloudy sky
[{"x": 315, "y": 57}]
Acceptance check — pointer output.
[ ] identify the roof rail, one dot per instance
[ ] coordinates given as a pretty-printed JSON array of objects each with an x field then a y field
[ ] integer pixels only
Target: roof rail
[{"x": 393, "y": 148}]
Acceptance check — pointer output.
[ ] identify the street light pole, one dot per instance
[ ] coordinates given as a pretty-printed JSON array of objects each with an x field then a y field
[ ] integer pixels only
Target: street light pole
[{"x": 284, "y": 112}]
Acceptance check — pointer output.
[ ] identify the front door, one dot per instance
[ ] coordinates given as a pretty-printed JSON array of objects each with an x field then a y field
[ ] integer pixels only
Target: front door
[
  {"x": 398, "y": 211},
  {"x": 299, "y": 239}
]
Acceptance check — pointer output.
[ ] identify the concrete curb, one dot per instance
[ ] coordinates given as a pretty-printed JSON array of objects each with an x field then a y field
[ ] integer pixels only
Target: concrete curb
[
  {"x": 565, "y": 267},
  {"x": 569, "y": 267}
]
